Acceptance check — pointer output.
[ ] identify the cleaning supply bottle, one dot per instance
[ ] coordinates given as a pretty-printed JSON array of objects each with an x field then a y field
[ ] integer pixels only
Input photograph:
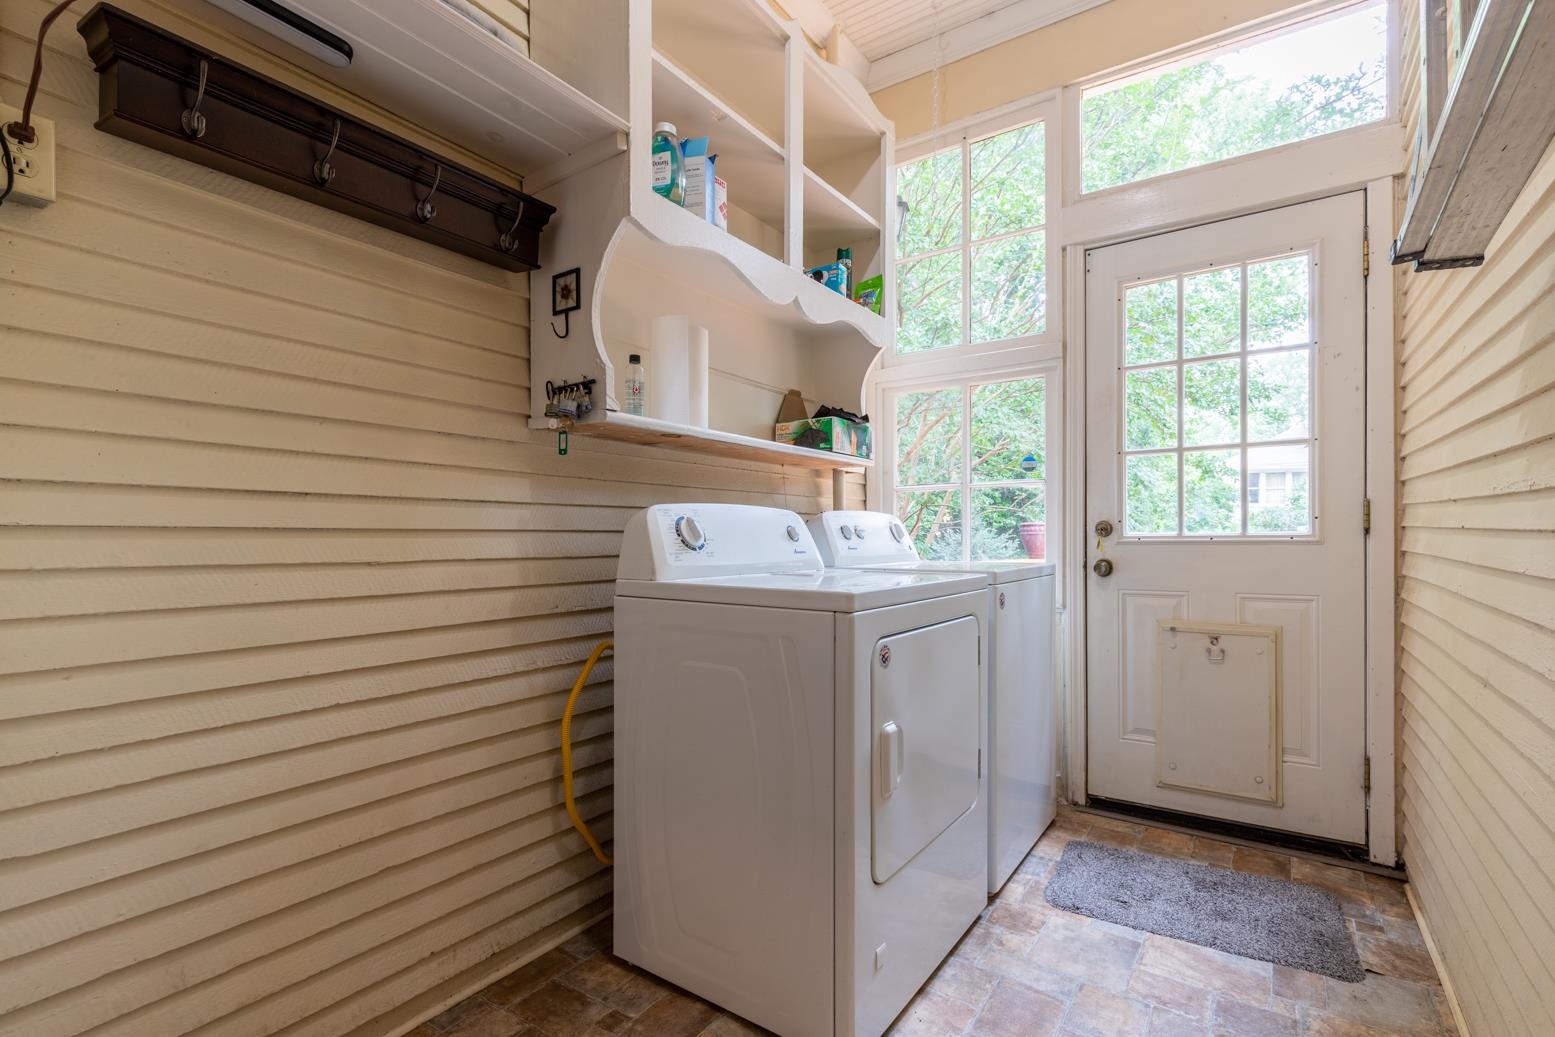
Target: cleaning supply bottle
[
  {"x": 636, "y": 386},
  {"x": 669, "y": 166},
  {"x": 845, "y": 260}
]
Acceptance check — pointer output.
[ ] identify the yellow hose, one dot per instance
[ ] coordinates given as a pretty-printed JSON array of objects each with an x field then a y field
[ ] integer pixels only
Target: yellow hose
[{"x": 572, "y": 700}]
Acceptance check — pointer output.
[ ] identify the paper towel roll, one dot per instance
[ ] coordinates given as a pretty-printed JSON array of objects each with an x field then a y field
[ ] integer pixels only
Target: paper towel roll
[
  {"x": 668, "y": 381},
  {"x": 696, "y": 376}
]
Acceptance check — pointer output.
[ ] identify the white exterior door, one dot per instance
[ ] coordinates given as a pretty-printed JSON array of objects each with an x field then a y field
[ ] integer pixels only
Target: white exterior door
[{"x": 1225, "y": 475}]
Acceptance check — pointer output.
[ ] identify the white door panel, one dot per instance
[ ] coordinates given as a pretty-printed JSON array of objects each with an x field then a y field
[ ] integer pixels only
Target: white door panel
[
  {"x": 927, "y": 735},
  {"x": 1226, "y": 445}
]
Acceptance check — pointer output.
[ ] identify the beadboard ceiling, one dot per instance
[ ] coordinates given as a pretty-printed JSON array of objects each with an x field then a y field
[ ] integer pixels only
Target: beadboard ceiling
[{"x": 903, "y": 38}]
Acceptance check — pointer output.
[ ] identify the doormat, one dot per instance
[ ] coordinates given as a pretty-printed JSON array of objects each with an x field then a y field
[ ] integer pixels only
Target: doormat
[{"x": 1288, "y": 923}]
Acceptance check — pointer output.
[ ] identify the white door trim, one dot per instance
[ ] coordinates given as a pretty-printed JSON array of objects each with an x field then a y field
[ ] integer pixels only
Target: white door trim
[{"x": 1381, "y": 548}]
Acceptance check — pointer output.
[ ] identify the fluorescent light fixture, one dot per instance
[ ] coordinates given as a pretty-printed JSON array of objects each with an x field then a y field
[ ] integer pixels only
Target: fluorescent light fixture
[{"x": 286, "y": 24}]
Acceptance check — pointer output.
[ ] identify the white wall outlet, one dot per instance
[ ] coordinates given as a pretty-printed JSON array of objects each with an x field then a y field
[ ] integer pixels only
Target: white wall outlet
[{"x": 32, "y": 164}]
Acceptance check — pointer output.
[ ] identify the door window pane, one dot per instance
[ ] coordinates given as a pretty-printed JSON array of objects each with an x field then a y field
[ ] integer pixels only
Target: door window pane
[
  {"x": 1150, "y": 323},
  {"x": 1279, "y": 309},
  {"x": 1009, "y": 430},
  {"x": 1269, "y": 380},
  {"x": 928, "y": 295},
  {"x": 1009, "y": 182},
  {"x": 1009, "y": 294},
  {"x": 1279, "y": 396},
  {"x": 933, "y": 520},
  {"x": 1212, "y": 402},
  {"x": 1151, "y": 408},
  {"x": 1212, "y": 492},
  {"x": 1281, "y": 505},
  {"x": 1212, "y": 313},
  {"x": 1150, "y": 495},
  {"x": 1009, "y": 522},
  {"x": 1322, "y": 75}
]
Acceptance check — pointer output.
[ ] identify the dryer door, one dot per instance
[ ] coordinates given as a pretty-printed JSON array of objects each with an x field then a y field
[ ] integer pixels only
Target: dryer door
[{"x": 925, "y": 723}]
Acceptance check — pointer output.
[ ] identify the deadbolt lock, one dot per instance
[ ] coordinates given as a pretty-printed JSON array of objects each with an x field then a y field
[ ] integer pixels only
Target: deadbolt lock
[
  {"x": 1104, "y": 528},
  {"x": 1103, "y": 567}
]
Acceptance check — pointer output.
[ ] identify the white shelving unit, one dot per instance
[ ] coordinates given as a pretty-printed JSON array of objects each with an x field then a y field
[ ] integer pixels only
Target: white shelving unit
[{"x": 808, "y": 161}]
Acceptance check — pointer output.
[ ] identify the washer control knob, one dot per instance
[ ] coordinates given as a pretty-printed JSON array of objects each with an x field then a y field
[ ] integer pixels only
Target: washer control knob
[
  {"x": 793, "y": 534},
  {"x": 858, "y": 531},
  {"x": 689, "y": 530},
  {"x": 847, "y": 532},
  {"x": 898, "y": 531}
]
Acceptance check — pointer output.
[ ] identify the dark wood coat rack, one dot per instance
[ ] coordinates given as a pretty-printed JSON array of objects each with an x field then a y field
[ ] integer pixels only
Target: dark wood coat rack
[{"x": 166, "y": 93}]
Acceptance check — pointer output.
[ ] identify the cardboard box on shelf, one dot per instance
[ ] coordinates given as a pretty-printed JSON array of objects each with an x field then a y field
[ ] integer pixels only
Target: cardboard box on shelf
[{"x": 836, "y": 435}]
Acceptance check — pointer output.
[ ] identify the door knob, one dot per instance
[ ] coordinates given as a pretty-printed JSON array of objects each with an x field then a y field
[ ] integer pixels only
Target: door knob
[
  {"x": 1104, "y": 528},
  {"x": 1103, "y": 567}
]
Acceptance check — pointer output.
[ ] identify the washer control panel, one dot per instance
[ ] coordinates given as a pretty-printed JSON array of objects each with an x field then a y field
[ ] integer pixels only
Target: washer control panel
[
  {"x": 858, "y": 538},
  {"x": 689, "y": 541}
]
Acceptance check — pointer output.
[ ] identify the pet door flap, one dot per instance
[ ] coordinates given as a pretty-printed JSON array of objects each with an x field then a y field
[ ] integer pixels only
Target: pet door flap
[{"x": 1218, "y": 711}]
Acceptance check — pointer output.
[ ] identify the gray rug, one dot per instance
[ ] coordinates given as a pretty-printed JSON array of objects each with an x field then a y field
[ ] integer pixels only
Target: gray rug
[{"x": 1288, "y": 923}]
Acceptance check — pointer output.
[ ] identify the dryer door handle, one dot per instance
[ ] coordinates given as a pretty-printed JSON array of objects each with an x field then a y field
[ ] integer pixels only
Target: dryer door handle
[{"x": 893, "y": 751}]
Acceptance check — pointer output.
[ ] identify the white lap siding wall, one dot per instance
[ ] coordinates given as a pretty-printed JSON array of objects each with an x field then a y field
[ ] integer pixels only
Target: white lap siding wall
[{"x": 290, "y": 600}]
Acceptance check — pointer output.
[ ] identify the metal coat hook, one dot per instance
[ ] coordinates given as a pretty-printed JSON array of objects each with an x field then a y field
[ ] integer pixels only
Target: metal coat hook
[
  {"x": 509, "y": 240},
  {"x": 192, "y": 119},
  {"x": 425, "y": 210},
  {"x": 323, "y": 172}
]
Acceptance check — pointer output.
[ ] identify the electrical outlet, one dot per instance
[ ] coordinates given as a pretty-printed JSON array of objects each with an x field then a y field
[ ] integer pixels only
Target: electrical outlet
[{"x": 31, "y": 164}]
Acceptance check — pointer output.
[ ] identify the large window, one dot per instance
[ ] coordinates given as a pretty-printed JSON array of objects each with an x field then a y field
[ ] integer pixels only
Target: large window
[
  {"x": 971, "y": 247},
  {"x": 1217, "y": 382},
  {"x": 970, "y": 475},
  {"x": 1313, "y": 78}
]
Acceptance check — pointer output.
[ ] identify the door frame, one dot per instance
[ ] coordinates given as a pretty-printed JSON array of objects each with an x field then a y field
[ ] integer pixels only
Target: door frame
[{"x": 1381, "y": 489}]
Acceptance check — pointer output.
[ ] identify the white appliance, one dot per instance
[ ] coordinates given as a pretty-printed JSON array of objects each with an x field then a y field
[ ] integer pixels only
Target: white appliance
[
  {"x": 799, "y": 819},
  {"x": 1022, "y": 708}
]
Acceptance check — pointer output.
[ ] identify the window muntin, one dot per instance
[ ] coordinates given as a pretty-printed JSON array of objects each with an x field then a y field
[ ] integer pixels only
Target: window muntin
[
  {"x": 1217, "y": 370},
  {"x": 972, "y": 246},
  {"x": 970, "y": 473},
  {"x": 1317, "y": 77}
]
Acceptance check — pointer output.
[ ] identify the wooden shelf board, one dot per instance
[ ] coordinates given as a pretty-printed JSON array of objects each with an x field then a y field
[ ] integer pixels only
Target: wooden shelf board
[
  {"x": 719, "y": 263},
  {"x": 629, "y": 428},
  {"x": 839, "y": 118},
  {"x": 831, "y": 218},
  {"x": 736, "y": 47},
  {"x": 748, "y": 160},
  {"x": 429, "y": 65}
]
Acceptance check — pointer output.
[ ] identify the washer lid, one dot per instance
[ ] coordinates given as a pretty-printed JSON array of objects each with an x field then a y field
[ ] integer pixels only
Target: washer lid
[{"x": 833, "y": 590}]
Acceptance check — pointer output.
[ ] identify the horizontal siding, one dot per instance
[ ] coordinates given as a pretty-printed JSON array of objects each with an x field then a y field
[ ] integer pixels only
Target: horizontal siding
[
  {"x": 290, "y": 602},
  {"x": 1477, "y": 668}
]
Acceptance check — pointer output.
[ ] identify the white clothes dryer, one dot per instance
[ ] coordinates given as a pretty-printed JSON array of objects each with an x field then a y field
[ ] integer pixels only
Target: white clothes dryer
[
  {"x": 799, "y": 819},
  {"x": 1022, "y": 707}
]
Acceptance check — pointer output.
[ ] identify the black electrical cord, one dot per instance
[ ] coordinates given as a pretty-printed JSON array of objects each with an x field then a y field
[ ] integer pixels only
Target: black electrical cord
[
  {"x": 10, "y": 173},
  {"x": 22, "y": 130}
]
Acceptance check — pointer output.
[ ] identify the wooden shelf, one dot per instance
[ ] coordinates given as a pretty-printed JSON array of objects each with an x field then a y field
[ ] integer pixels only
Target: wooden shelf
[
  {"x": 839, "y": 118},
  {"x": 737, "y": 49},
  {"x": 424, "y": 62},
  {"x": 831, "y": 218},
  {"x": 628, "y": 428},
  {"x": 720, "y": 258},
  {"x": 749, "y": 160}
]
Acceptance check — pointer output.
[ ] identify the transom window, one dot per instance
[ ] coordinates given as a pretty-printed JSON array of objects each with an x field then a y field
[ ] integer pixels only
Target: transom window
[
  {"x": 971, "y": 245},
  {"x": 1217, "y": 382},
  {"x": 970, "y": 475},
  {"x": 1318, "y": 76}
]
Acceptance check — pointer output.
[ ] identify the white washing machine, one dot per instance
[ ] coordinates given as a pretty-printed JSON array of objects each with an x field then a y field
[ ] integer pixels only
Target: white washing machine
[
  {"x": 1022, "y": 734},
  {"x": 799, "y": 819}
]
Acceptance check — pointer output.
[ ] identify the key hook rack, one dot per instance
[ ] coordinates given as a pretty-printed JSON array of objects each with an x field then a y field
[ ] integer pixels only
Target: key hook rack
[{"x": 245, "y": 124}]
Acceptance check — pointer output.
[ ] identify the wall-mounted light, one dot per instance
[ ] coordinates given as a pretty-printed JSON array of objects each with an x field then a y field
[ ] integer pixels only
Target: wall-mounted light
[{"x": 286, "y": 24}]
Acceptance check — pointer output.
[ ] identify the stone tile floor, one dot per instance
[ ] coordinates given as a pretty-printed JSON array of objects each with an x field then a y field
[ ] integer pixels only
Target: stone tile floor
[{"x": 1029, "y": 970}]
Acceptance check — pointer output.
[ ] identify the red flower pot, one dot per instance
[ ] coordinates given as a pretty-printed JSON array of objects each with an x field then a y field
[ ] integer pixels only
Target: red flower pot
[{"x": 1033, "y": 537}]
